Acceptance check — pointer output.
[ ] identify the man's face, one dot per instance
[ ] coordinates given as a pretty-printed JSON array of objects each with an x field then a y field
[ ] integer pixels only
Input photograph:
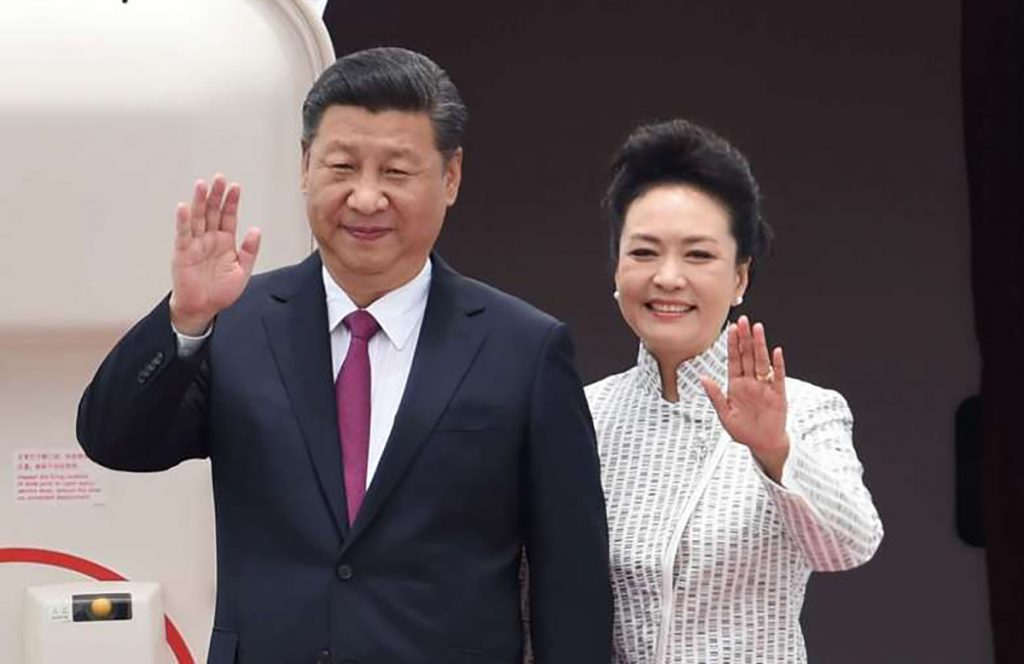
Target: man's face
[{"x": 377, "y": 190}]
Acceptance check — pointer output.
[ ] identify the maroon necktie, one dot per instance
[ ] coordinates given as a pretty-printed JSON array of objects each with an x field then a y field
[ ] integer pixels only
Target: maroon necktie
[{"x": 352, "y": 392}]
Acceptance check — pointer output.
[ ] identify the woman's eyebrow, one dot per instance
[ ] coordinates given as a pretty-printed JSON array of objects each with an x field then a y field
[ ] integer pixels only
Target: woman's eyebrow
[{"x": 645, "y": 237}]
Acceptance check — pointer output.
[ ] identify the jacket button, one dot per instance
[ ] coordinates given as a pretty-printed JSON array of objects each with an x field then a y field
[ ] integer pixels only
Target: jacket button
[
  {"x": 344, "y": 572},
  {"x": 324, "y": 657}
]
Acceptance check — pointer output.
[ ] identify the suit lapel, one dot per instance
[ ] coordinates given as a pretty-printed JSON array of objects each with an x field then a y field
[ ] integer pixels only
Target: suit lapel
[
  {"x": 296, "y": 323},
  {"x": 450, "y": 338}
]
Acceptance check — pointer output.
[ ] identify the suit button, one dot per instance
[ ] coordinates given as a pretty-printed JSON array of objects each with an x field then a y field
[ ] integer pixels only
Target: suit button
[
  {"x": 344, "y": 572},
  {"x": 324, "y": 657}
]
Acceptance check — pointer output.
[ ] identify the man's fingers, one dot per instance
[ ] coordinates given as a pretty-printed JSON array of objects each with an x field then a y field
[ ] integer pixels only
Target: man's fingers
[
  {"x": 182, "y": 228},
  {"x": 197, "y": 213},
  {"x": 229, "y": 213},
  {"x": 249, "y": 249},
  {"x": 213, "y": 203}
]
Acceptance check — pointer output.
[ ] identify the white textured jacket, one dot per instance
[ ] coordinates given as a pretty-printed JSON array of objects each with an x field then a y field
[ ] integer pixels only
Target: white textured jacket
[{"x": 709, "y": 556}]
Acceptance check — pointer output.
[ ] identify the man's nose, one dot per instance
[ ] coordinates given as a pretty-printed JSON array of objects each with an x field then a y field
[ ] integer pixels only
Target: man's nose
[{"x": 367, "y": 197}]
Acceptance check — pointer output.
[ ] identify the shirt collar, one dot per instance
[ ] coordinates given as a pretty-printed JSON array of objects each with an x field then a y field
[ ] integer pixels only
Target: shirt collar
[
  {"x": 397, "y": 312},
  {"x": 713, "y": 363}
]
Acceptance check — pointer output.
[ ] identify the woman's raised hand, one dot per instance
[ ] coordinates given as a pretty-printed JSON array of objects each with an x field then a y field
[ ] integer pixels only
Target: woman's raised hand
[
  {"x": 208, "y": 272},
  {"x": 754, "y": 410}
]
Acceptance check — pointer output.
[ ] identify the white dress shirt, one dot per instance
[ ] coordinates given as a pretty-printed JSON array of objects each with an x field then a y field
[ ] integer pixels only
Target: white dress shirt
[
  {"x": 400, "y": 316},
  {"x": 709, "y": 556},
  {"x": 391, "y": 350}
]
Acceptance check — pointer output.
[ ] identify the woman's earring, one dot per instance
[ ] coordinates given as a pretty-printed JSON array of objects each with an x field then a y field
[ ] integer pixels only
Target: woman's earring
[
  {"x": 615, "y": 294},
  {"x": 738, "y": 301}
]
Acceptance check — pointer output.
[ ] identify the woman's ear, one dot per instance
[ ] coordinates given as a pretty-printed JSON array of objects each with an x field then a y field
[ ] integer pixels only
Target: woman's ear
[{"x": 742, "y": 280}]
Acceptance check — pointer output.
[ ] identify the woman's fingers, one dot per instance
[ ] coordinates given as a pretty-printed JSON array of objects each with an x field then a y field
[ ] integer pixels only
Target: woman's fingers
[
  {"x": 746, "y": 344},
  {"x": 762, "y": 362},
  {"x": 735, "y": 366},
  {"x": 779, "y": 366},
  {"x": 718, "y": 398}
]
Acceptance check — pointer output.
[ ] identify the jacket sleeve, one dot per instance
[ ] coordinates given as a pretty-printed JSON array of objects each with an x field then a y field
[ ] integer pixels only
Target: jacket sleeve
[
  {"x": 570, "y": 602},
  {"x": 826, "y": 509},
  {"x": 145, "y": 408}
]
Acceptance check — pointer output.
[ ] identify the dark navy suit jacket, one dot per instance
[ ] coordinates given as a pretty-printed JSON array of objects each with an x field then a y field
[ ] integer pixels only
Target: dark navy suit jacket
[{"x": 492, "y": 450}]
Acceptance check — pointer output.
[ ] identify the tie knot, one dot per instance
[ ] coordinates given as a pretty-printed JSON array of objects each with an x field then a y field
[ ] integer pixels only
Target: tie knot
[{"x": 361, "y": 324}]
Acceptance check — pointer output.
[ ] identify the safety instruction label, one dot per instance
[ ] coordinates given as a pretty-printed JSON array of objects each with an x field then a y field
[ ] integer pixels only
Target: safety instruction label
[{"x": 57, "y": 476}]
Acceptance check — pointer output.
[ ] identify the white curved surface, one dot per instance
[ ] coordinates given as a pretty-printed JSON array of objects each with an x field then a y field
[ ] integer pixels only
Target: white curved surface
[{"x": 108, "y": 113}]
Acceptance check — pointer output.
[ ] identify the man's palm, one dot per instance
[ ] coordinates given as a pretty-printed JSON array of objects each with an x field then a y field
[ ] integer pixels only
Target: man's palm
[{"x": 208, "y": 272}]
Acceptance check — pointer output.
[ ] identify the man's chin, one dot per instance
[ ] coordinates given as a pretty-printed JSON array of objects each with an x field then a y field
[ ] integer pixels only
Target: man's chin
[{"x": 368, "y": 262}]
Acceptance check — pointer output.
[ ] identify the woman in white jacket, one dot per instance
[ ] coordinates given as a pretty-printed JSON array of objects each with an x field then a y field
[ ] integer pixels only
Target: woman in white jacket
[{"x": 727, "y": 482}]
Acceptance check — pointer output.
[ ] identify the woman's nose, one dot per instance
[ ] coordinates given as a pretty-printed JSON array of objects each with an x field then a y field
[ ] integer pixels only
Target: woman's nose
[{"x": 670, "y": 275}]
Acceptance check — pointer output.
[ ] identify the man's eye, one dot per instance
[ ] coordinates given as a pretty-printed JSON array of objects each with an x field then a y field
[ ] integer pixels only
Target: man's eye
[
  {"x": 342, "y": 167},
  {"x": 396, "y": 172}
]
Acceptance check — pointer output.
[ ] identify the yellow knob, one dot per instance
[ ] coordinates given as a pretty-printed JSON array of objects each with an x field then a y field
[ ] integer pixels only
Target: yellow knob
[{"x": 101, "y": 608}]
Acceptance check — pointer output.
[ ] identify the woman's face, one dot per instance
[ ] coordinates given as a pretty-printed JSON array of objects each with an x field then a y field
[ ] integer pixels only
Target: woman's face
[{"x": 677, "y": 274}]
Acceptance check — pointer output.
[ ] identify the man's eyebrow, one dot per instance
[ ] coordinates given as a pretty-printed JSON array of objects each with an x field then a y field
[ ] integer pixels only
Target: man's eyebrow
[
  {"x": 397, "y": 151},
  {"x": 336, "y": 144}
]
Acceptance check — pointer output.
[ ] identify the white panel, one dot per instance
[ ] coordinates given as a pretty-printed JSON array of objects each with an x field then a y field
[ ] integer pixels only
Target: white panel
[
  {"x": 52, "y": 636},
  {"x": 109, "y": 111},
  {"x": 151, "y": 526}
]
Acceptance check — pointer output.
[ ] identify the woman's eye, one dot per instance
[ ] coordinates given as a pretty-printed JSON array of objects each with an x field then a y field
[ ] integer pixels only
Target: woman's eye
[
  {"x": 642, "y": 253},
  {"x": 701, "y": 255}
]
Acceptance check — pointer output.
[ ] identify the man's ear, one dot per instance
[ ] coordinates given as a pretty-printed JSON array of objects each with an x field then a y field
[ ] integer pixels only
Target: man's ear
[
  {"x": 304, "y": 182},
  {"x": 452, "y": 176}
]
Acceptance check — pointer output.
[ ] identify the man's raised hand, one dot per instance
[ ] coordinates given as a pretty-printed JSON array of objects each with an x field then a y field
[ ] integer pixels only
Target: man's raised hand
[{"x": 208, "y": 272}]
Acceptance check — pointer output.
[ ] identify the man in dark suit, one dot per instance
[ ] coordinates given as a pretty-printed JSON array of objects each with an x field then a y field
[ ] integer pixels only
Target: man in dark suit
[{"x": 386, "y": 436}]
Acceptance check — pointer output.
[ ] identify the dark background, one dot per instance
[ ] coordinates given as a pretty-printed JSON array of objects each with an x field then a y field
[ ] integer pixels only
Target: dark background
[{"x": 850, "y": 113}]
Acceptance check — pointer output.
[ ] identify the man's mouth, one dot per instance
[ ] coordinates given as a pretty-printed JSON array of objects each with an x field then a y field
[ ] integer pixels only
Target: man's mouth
[{"x": 366, "y": 233}]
